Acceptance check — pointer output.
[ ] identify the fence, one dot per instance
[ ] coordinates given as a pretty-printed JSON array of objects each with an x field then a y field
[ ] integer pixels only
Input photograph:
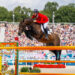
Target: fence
[
  {"x": 38, "y": 48},
  {"x": 4, "y": 44}
]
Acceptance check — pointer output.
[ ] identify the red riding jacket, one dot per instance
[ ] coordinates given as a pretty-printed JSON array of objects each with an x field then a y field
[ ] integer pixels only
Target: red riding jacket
[{"x": 41, "y": 18}]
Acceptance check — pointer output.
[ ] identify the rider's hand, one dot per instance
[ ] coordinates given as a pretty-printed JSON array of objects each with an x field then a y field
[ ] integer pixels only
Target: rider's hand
[
  {"x": 34, "y": 21},
  {"x": 27, "y": 28}
]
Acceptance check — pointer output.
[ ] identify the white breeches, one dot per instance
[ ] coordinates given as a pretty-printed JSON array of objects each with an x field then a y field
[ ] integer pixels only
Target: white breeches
[{"x": 44, "y": 26}]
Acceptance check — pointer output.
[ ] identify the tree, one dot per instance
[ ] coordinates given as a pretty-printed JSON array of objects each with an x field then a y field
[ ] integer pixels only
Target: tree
[
  {"x": 3, "y": 14},
  {"x": 50, "y": 7},
  {"x": 65, "y": 14},
  {"x": 9, "y": 18},
  {"x": 27, "y": 11},
  {"x": 17, "y": 9}
]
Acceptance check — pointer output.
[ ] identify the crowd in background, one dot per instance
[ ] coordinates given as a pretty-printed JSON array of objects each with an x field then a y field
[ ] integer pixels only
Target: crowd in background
[{"x": 66, "y": 33}]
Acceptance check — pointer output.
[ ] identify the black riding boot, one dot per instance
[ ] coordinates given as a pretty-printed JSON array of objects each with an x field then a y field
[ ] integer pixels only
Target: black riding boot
[{"x": 46, "y": 33}]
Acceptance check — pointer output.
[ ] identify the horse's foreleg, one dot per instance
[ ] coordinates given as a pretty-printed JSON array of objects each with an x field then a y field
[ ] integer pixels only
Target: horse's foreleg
[{"x": 28, "y": 34}]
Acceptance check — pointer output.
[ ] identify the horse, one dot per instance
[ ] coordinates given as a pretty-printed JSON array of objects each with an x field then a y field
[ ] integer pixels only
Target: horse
[{"x": 33, "y": 30}]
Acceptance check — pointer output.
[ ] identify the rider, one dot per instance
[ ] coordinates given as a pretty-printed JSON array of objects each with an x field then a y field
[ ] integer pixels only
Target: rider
[{"x": 41, "y": 19}]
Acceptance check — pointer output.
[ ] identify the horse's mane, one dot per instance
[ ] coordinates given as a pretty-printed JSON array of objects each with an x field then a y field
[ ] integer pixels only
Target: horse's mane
[{"x": 27, "y": 20}]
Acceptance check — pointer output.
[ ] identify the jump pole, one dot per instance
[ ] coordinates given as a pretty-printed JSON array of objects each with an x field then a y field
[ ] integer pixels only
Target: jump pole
[
  {"x": 42, "y": 48},
  {"x": 46, "y": 61}
]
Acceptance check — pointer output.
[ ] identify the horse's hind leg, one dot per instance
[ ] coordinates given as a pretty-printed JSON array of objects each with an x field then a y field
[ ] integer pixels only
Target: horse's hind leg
[
  {"x": 58, "y": 54},
  {"x": 54, "y": 51}
]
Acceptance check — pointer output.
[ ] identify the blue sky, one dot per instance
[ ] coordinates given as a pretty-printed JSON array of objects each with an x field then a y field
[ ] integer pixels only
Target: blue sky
[{"x": 39, "y": 4}]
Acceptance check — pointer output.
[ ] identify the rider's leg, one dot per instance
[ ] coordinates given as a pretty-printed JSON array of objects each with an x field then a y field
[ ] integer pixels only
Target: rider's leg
[{"x": 46, "y": 29}]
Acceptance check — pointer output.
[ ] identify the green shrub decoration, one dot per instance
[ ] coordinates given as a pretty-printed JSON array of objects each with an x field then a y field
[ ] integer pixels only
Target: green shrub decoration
[
  {"x": 27, "y": 69},
  {"x": 35, "y": 70},
  {"x": 24, "y": 69}
]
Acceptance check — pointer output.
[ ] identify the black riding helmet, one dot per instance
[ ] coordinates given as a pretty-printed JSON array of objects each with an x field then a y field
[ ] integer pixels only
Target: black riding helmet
[{"x": 36, "y": 11}]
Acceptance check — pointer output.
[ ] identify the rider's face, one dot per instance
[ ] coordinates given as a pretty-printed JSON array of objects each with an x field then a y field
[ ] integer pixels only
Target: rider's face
[{"x": 35, "y": 14}]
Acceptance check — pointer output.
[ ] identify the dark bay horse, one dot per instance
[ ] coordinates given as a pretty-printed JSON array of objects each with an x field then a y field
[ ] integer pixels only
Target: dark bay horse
[{"x": 33, "y": 30}]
